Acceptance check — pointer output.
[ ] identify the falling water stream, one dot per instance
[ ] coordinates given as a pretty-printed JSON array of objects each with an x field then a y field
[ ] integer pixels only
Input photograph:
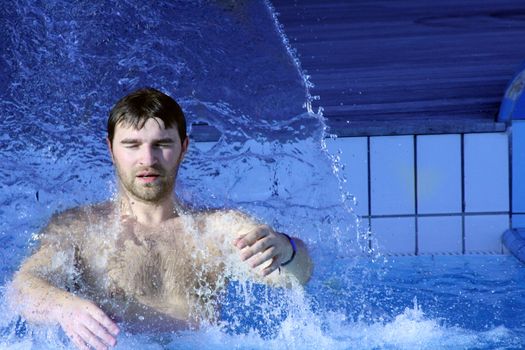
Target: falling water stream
[{"x": 230, "y": 66}]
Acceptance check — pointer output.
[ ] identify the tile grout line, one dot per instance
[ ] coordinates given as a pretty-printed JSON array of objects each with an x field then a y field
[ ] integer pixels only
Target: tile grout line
[
  {"x": 510, "y": 148},
  {"x": 387, "y": 216},
  {"x": 369, "y": 192},
  {"x": 462, "y": 155},
  {"x": 416, "y": 221}
]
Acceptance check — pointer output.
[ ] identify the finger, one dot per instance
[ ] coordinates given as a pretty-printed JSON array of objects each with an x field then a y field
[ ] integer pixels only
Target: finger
[
  {"x": 258, "y": 247},
  {"x": 238, "y": 239},
  {"x": 99, "y": 316},
  {"x": 100, "y": 332},
  {"x": 268, "y": 254},
  {"x": 270, "y": 268},
  {"x": 77, "y": 341},
  {"x": 252, "y": 236},
  {"x": 91, "y": 339}
]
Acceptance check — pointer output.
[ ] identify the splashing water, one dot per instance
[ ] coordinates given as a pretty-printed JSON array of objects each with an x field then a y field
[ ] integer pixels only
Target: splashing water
[{"x": 230, "y": 66}]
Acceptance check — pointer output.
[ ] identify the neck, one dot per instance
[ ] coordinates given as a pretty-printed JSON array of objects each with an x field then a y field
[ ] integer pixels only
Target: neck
[{"x": 147, "y": 213}]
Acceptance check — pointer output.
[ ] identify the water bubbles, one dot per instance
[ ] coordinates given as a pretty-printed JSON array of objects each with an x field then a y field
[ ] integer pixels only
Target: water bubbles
[
  {"x": 269, "y": 157},
  {"x": 128, "y": 83}
]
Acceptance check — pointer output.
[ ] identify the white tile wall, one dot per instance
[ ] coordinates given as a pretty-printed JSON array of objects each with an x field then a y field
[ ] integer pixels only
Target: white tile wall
[
  {"x": 518, "y": 220},
  {"x": 353, "y": 155},
  {"x": 486, "y": 159},
  {"x": 392, "y": 175},
  {"x": 486, "y": 186},
  {"x": 394, "y": 235},
  {"x": 483, "y": 233},
  {"x": 440, "y": 234},
  {"x": 439, "y": 174},
  {"x": 439, "y": 190}
]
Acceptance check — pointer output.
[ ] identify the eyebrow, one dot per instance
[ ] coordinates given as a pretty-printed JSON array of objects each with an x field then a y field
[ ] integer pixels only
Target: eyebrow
[{"x": 165, "y": 140}]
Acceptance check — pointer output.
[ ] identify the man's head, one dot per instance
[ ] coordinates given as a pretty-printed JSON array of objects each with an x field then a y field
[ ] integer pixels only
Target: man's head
[
  {"x": 139, "y": 106},
  {"x": 147, "y": 140}
]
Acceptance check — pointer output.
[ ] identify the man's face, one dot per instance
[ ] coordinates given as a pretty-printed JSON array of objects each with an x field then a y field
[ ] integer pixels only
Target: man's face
[{"x": 147, "y": 160}]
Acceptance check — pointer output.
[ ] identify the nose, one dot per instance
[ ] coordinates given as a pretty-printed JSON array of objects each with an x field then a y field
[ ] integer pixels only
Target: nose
[{"x": 148, "y": 156}]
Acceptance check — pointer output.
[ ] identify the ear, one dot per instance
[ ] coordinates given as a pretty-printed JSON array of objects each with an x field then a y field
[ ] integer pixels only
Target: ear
[
  {"x": 110, "y": 149},
  {"x": 184, "y": 149}
]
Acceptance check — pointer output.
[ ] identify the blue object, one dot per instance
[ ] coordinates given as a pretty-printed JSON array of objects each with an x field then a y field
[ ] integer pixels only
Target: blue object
[
  {"x": 514, "y": 240},
  {"x": 513, "y": 103}
]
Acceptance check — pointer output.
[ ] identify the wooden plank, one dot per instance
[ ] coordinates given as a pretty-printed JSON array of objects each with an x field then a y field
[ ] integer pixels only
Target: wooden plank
[
  {"x": 390, "y": 128},
  {"x": 407, "y": 59}
]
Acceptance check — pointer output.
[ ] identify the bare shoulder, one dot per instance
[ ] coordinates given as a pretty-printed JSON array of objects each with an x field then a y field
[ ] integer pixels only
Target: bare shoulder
[
  {"x": 76, "y": 215},
  {"x": 74, "y": 221},
  {"x": 54, "y": 256}
]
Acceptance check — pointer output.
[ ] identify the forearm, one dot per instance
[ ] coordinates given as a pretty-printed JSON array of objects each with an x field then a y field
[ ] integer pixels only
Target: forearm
[
  {"x": 35, "y": 299},
  {"x": 83, "y": 322},
  {"x": 301, "y": 266}
]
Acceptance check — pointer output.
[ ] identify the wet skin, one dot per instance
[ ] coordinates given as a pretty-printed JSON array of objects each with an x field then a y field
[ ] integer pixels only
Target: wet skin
[{"x": 139, "y": 236}]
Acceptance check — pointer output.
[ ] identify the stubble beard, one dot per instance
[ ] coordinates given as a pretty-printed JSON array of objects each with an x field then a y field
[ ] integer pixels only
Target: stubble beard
[{"x": 154, "y": 192}]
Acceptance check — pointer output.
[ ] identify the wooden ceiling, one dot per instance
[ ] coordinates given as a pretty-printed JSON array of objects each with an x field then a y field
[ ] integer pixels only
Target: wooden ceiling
[{"x": 407, "y": 66}]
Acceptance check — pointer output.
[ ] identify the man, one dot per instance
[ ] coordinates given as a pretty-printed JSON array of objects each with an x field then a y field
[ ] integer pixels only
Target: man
[{"x": 143, "y": 257}]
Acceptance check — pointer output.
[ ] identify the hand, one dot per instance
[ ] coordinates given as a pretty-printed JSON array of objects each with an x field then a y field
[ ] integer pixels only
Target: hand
[
  {"x": 262, "y": 244},
  {"x": 85, "y": 324}
]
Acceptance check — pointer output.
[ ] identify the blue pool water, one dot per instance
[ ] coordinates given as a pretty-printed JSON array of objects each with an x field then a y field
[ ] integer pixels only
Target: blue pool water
[
  {"x": 65, "y": 63},
  {"x": 446, "y": 302}
]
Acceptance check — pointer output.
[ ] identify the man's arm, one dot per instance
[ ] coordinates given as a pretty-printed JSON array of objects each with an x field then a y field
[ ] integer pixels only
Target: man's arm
[
  {"x": 34, "y": 295},
  {"x": 259, "y": 247},
  {"x": 262, "y": 246}
]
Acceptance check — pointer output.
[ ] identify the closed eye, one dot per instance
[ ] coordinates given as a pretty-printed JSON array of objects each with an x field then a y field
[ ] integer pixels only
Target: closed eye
[
  {"x": 164, "y": 143},
  {"x": 130, "y": 144}
]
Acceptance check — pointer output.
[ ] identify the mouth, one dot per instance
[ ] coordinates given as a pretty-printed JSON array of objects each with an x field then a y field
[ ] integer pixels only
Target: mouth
[{"x": 148, "y": 177}]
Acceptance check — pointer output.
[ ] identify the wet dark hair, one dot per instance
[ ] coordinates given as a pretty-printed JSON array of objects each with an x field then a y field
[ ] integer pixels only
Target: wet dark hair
[{"x": 136, "y": 108}]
